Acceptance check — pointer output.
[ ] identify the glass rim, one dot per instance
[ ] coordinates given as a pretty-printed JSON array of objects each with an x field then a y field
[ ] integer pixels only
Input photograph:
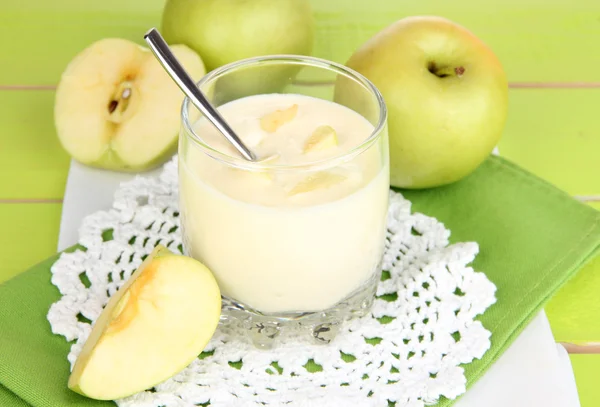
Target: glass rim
[{"x": 242, "y": 163}]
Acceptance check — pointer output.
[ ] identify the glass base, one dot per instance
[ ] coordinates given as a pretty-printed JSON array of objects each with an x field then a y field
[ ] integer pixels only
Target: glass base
[{"x": 264, "y": 330}]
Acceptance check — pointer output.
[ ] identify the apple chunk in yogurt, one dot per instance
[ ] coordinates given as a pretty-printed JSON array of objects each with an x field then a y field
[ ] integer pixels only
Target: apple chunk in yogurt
[{"x": 300, "y": 232}]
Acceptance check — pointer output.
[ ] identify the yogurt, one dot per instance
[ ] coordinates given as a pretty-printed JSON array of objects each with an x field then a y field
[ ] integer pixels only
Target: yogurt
[{"x": 298, "y": 235}]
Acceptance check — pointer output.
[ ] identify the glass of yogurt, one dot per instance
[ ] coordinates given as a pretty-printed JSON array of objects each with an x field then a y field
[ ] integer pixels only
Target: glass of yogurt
[{"x": 295, "y": 239}]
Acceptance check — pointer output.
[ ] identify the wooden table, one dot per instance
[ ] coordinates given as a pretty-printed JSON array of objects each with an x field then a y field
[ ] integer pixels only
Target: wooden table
[{"x": 549, "y": 49}]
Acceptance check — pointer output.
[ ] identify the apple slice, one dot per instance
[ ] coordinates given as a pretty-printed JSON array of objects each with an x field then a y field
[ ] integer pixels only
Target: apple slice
[
  {"x": 315, "y": 181},
  {"x": 263, "y": 175},
  {"x": 269, "y": 160},
  {"x": 151, "y": 329},
  {"x": 272, "y": 121},
  {"x": 322, "y": 138},
  {"x": 116, "y": 107}
]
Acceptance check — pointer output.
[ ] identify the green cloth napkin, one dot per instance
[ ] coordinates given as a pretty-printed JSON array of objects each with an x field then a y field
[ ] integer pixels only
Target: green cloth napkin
[{"x": 532, "y": 237}]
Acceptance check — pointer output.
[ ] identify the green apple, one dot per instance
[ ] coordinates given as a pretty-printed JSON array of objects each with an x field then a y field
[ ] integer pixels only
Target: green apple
[
  {"x": 446, "y": 94},
  {"x": 224, "y": 31},
  {"x": 158, "y": 322},
  {"x": 116, "y": 107}
]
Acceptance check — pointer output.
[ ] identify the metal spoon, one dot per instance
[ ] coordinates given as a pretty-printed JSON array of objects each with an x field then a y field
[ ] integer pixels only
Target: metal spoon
[{"x": 164, "y": 55}]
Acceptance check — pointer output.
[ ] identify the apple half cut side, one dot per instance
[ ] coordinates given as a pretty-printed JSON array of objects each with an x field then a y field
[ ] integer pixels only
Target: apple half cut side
[
  {"x": 156, "y": 324},
  {"x": 116, "y": 108}
]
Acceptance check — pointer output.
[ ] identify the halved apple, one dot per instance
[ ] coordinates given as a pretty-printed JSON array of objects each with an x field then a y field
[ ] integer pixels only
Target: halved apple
[
  {"x": 274, "y": 120},
  {"x": 151, "y": 329},
  {"x": 322, "y": 138},
  {"x": 116, "y": 107}
]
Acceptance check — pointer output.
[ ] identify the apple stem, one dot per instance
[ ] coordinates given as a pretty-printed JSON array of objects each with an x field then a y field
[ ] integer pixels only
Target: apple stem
[{"x": 460, "y": 70}]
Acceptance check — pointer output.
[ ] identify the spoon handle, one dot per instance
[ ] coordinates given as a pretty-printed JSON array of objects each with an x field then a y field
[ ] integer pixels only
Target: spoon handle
[{"x": 162, "y": 52}]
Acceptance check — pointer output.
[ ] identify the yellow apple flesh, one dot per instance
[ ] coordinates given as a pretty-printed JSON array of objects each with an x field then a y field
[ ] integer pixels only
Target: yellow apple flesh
[
  {"x": 317, "y": 181},
  {"x": 446, "y": 94},
  {"x": 151, "y": 329},
  {"x": 322, "y": 138},
  {"x": 274, "y": 120}
]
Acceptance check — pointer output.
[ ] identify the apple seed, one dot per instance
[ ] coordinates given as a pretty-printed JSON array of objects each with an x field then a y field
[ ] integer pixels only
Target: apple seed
[
  {"x": 119, "y": 102},
  {"x": 112, "y": 106}
]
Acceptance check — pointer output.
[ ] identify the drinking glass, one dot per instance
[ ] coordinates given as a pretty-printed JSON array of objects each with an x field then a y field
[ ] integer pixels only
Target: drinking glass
[{"x": 310, "y": 264}]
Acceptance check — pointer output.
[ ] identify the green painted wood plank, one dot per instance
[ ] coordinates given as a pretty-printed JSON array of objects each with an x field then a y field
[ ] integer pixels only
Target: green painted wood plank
[
  {"x": 555, "y": 133},
  {"x": 595, "y": 205},
  {"x": 536, "y": 40},
  {"x": 138, "y": 7},
  {"x": 28, "y": 235},
  {"x": 586, "y": 369},
  {"x": 33, "y": 165},
  {"x": 33, "y": 61},
  {"x": 574, "y": 312}
]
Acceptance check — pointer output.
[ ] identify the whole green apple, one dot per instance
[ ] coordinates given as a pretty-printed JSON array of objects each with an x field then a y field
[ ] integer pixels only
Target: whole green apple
[
  {"x": 446, "y": 94},
  {"x": 224, "y": 31}
]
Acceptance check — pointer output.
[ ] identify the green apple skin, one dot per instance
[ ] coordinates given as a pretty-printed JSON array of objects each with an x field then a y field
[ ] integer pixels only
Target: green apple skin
[
  {"x": 446, "y": 94},
  {"x": 111, "y": 160},
  {"x": 224, "y": 31}
]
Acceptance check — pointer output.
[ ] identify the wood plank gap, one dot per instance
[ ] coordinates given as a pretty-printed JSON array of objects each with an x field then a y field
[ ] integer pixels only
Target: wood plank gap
[
  {"x": 588, "y": 198},
  {"x": 27, "y": 87},
  {"x": 31, "y": 201},
  {"x": 512, "y": 85},
  {"x": 588, "y": 348},
  {"x": 554, "y": 85}
]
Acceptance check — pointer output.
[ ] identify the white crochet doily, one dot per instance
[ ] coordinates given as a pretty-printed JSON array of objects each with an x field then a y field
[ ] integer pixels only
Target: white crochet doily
[{"x": 408, "y": 350}]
